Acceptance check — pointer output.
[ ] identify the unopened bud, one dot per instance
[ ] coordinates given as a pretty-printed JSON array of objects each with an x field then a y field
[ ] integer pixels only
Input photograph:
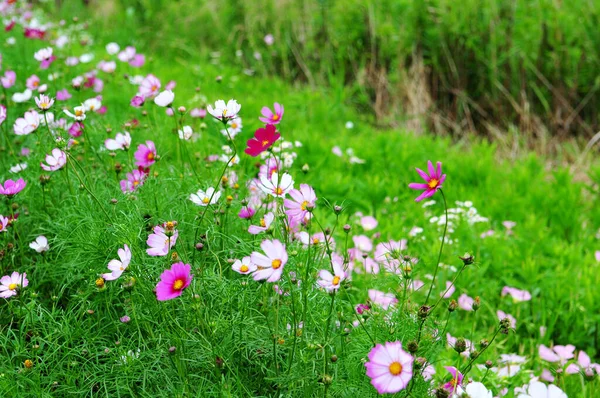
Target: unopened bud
[
  {"x": 484, "y": 344},
  {"x": 413, "y": 347},
  {"x": 460, "y": 345},
  {"x": 181, "y": 109},
  {"x": 489, "y": 364},
  {"x": 467, "y": 259},
  {"x": 305, "y": 168},
  {"x": 476, "y": 303},
  {"x": 337, "y": 209},
  {"x": 100, "y": 283},
  {"x": 347, "y": 228},
  {"x": 452, "y": 306},
  {"x": 334, "y": 358},
  {"x": 423, "y": 311}
]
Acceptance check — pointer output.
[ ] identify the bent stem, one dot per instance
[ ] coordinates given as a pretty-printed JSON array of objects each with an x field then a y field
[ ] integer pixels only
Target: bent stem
[{"x": 437, "y": 267}]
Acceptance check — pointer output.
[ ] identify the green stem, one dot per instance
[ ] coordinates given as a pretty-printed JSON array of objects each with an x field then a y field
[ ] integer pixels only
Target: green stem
[{"x": 437, "y": 267}]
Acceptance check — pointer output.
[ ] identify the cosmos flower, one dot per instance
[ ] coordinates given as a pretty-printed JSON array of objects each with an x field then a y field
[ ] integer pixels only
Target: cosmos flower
[
  {"x": 265, "y": 224},
  {"x": 44, "y": 57},
  {"x": 262, "y": 140},
  {"x": 112, "y": 48},
  {"x": 269, "y": 39},
  {"x": 3, "y": 114},
  {"x": 22, "y": 97},
  {"x": 27, "y": 124},
  {"x": 558, "y": 353},
  {"x": 134, "y": 180},
  {"x": 537, "y": 389},
  {"x": 223, "y": 111},
  {"x": 269, "y": 117},
  {"x": 186, "y": 133},
  {"x": 270, "y": 264},
  {"x": 9, "y": 285},
  {"x": 79, "y": 114},
  {"x": 455, "y": 382},
  {"x": 9, "y": 79},
  {"x": 244, "y": 266},
  {"x": 11, "y": 187},
  {"x": 44, "y": 102},
  {"x": 275, "y": 187},
  {"x": 502, "y": 315},
  {"x": 389, "y": 367},
  {"x": 433, "y": 181},
  {"x": 302, "y": 201},
  {"x": 165, "y": 98},
  {"x": 32, "y": 82},
  {"x": 40, "y": 244},
  {"x": 465, "y": 302},
  {"x": 202, "y": 198},
  {"x": 92, "y": 105},
  {"x": 160, "y": 243},
  {"x": 385, "y": 300},
  {"x": 3, "y": 223},
  {"x": 518, "y": 295},
  {"x": 145, "y": 155},
  {"x": 117, "y": 267},
  {"x": 329, "y": 281},
  {"x": 121, "y": 141},
  {"x": 63, "y": 95},
  {"x": 173, "y": 281},
  {"x": 18, "y": 168},
  {"x": 56, "y": 160}
]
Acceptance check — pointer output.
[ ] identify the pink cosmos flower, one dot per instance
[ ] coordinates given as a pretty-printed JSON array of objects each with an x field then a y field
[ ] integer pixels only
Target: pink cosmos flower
[
  {"x": 150, "y": 87},
  {"x": 270, "y": 117},
  {"x": 32, "y": 82},
  {"x": 9, "y": 79},
  {"x": 9, "y": 285},
  {"x": 12, "y": 187},
  {"x": 385, "y": 300},
  {"x": 244, "y": 266},
  {"x": 558, "y": 353},
  {"x": 368, "y": 223},
  {"x": 55, "y": 161},
  {"x": 138, "y": 60},
  {"x": 465, "y": 302},
  {"x": 268, "y": 168},
  {"x": 265, "y": 224},
  {"x": 502, "y": 315},
  {"x": 137, "y": 101},
  {"x": 584, "y": 363},
  {"x": 127, "y": 54},
  {"x": 362, "y": 243},
  {"x": 63, "y": 95},
  {"x": 433, "y": 181},
  {"x": 3, "y": 223},
  {"x": 388, "y": 250},
  {"x": 173, "y": 281},
  {"x": 134, "y": 180},
  {"x": 145, "y": 155},
  {"x": 160, "y": 243},
  {"x": 27, "y": 124},
  {"x": 416, "y": 285},
  {"x": 329, "y": 281},
  {"x": 517, "y": 294},
  {"x": 121, "y": 141},
  {"x": 246, "y": 213},
  {"x": 270, "y": 265},
  {"x": 448, "y": 291},
  {"x": 76, "y": 129},
  {"x": 198, "y": 113},
  {"x": 457, "y": 379},
  {"x": 263, "y": 139},
  {"x": 125, "y": 319},
  {"x": 389, "y": 367},
  {"x": 2, "y": 114},
  {"x": 117, "y": 267},
  {"x": 302, "y": 200}
]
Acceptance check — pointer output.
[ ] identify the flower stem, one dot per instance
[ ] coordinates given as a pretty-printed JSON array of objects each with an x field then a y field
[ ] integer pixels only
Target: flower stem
[{"x": 437, "y": 267}]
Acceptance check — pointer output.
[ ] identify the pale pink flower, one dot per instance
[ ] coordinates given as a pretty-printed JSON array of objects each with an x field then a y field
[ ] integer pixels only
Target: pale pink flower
[
  {"x": 10, "y": 284},
  {"x": 56, "y": 160},
  {"x": 502, "y": 315},
  {"x": 465, "y": 302},
  {"x": 517, "y": 294},
  {"x": 270, "y": 264},
  {"x": 160, "y": 243},
  {"x": 121, "y": 141},
  {"x": 389, "y": 367},
  {"x": 329, "y": 281},
  {"x": 117, "y": 267},
  {"x": 244, "y": 266},
  {"x": 265, "y": 224},
  {"x": 385, "y": 300}
]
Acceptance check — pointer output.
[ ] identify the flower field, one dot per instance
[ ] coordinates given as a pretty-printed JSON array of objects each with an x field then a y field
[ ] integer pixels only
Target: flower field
[{"x": 184, "y": 227}]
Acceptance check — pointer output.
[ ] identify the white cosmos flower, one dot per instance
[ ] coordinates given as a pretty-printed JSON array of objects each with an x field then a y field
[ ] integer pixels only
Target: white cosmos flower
[
  {"x": 92, "y": 105},
  {"x": 43, "y": 54},
  {"x": 186, "y": 133},
  {"x": 223, "y": 111},
  {"x": 112, "y": 48},
  {"x": 165, "y": 98},
  {"x": 44, "y": 102},
  {"x": 79, "y": 114},
  {"x": 538, "y": 389},
  {"x": 86, "y": 58},
  {"x": 121, "y": 141},
  {"x": 275, "y": 186},
  {"x": 19, "y": 167},
  {"x": 202, "y": 198},
  {"x": 22, "y": 97},
  {"x": 40, "y": 244}
]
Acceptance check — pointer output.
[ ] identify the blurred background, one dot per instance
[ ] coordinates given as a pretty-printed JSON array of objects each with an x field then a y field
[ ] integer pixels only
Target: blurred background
[{"x": 488, "y": 67}]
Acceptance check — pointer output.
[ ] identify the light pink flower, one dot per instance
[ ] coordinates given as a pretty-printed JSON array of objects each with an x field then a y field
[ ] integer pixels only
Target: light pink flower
[
  {"x": 63, "y": 95},
  {"x": 3, "y": 223},
  {"x": 265, "y": 224},
  {"x": 32, "y": 82},
  {"x": 389, "y": 367},
  {"x": 302, "y": 200},
  {"x": 448, "y": 291},
  {"x": 11, "y": 187},
  {"x": 517, "y": 294},
  {"x": 269, "y": 117},
  {"x": 27, "y": 124},
  {"x": 502, "y": 315},
  {"x": 117, "y": 267},
  {"x": 134, "y": 180},
  {"x": 121, "y": 141},
  {"x": 270, "y": 265},
  {"x": 160, "y": 243},
  {"x": 329, "y": 281},
  {"x": 385, "y": 300},
  {"x": 368, "y": 223},
  {"x": 173, "y": 281},
  {"x": 244, "y": 266},
  {"x": 10, "y": 285},
  {"x": 558, "y": 353},
  {"x": 9, "y": 79},
  {"x": 55, "y": 161},
  {"x": 465, "y": 302}
]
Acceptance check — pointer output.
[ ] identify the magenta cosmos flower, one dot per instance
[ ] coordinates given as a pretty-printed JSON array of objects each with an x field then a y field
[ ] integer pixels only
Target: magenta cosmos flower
[
  {"x": 302, "y": 201},
  {"x": 270, "y": 265},
  {"x": 54, "y": 161},
  {"x": 433, "y": 181},
  {"x": 457, "y": 379},
  {"x": 145, "y": 155},
  {"x": 262, "y": 140},
  {"x": 9, "y": 284},
  {"x": 117, "y": 267},
  {"x": 269, "y": 117},
  {"x": 134, "y": 180},
  {"x": 12, "y": 187},
  {"x": 389, "y": 367},
  {"x": 173, "y": 281}
]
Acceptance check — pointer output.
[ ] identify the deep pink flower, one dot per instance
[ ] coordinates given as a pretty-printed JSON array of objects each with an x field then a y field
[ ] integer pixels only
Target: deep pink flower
[
  {"x": 63, "y": 95},
  {"x": 302, "y": 201},
  {"x": 76, "y": 129},
  {"x": 145, "y": 155},
  {"x": 389, "y": 367},
  {"x": 361, "y": 308},
  {"x": 137, "y": 101},
  {"x": 457, "y": 379},
  {"x": 32, "y": 33},
  {"x": 262, "y": 140},
  {"x": 173, "y": 281},
  {"x": 246, "y": 213},
  {"x": 433, "y": 181},
  {"x": 269, "y": 117},
  {"x": 12, "y": 187},
  {"x": 134, "y": 180},
  {"x": 270, "y": 265}
]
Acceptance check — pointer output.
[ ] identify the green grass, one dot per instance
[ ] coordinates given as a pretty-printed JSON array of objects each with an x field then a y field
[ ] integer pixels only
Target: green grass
[{"x": 71, "y": 331}]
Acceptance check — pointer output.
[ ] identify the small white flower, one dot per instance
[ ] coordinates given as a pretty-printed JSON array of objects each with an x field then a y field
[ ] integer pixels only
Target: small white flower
[
  {"x": 274, "y": 186},
  {"x": 43, "y": 54},
  {"x": 223, "y": 111},
  {"x": 165, "y": 98},
  {"x": 86, "y": 58},
  {"x": 349, "y": 125},
  {"x": 40, "y": 244},
  {"x": 19, "y": 167},
  {"x": 186, "y": 133},
  {"x": 202, "y": 198},
  {"x": 121, "y": 141},
  {"x": 79, "y": 114},
  {"x": 112, "y": 48},
  {"x": 92, "y": 105},
  {"x": 22, "y": 97},
  {"x": 11, "y": 41}
]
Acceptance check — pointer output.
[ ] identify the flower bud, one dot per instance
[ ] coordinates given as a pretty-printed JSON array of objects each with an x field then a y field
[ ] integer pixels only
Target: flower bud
[
  {"x": 476, "y": 303},
  {"x": 347, "y": 228},
  {"x": 460, "y": 345},
  {"x": 172, "y": 349},
  {"x": 181, "y": 109},
  {"x": 334, "y": 358},
  {"x": 424, "y": 311},
  {"x": 489, "y": 364},
  {"x": 452, "y": 306},
  {"x": 467, "y": 259},
  {"x": 305, "y": 168},
  {"x": 413, "y": 347},
  {"x": 28, "y": 364},
  {"x": 337, "y": 209},
  {"x": 100, "y": 283},
  {"x": 199, "y": 246},
  {"x": 484, "y": 344}
]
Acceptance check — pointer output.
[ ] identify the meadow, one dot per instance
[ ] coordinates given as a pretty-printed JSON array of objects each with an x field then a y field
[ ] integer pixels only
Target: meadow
[{"x": 152, "y": 242}]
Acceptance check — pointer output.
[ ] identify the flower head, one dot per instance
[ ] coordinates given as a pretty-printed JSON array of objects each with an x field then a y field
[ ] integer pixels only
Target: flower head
[
  {"x": 277, "y": 187},
  {"x": 223, "y": 111},
  {"x": 44, "y": 102},
  {"x": 262, "y": 140},
  {"x": 3, "y": 223},
  {"x": 134, "y": 180},
  {"x": 117, "y": 267},
  {"x": 121, "y": 141},
  {"x": 269, "y": 117},
  {"x": 9, "y": 285},
  {"x": 27, "y": 124},
  {"x": 79, "y": 113},
  {"x": 160, "y": 243},
  {"x": 389, "y": 367},
  {"x": 9, "y": 79},
  {"x": 145, "y": 155},
  {"x": 329, "y": 281},
  {"x": 265, "y": 224},
  {"x": 270, "y": 264},
  {"x": 40, "y": 244},
  {"x": 244, "y": 266},
  {"x": 149, "y": 87},
  {"x": 385, "y": 300},
  {"x": 173, "y": 281},
  {"x": 11, "y": 187},
  {"x": 433, "y": 181},
  {"x": 210, "y": 197},
  {"x": 457, "y": 379},
  {"x": 302, "y": 202},
  {"x": 165, "y": 98},
  {"x": 56, "y": 160}
]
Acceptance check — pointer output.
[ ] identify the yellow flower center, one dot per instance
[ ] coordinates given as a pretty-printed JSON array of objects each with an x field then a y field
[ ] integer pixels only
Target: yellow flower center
[
  {"x": 154, "y": 88},
  {"x": 263, "y": 223},
  {"x": 278, "y": 191},
  {"x": 303, "y": 205},
  {"x": 136, "y": 183},
  {"x": 395, "y": 368},
  {"x": 35, "y": 84},
  {"x": 234, "y": 125},
  {"x": 205, "y": 200},
  {"x": 78, "y": 112},
  {"x": 276, "y": 117},
  {"x": 92, "y": 107},
  {"x": 178, "y": 285},
  {"x": 244, "y": 268},
  {"x": 224, "y": 112},
  {"x": 433, "y": 183},
  {"x": 150, "y": 156},
  {"x": 265, "y": 143},
  {"x": 12, "y": 286},
  {"x": 316, "y": 241},
  {"x": 336, "y": 280},
  {"x": 276, "y": 263},
  {"x": 121, "y": 268}
]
